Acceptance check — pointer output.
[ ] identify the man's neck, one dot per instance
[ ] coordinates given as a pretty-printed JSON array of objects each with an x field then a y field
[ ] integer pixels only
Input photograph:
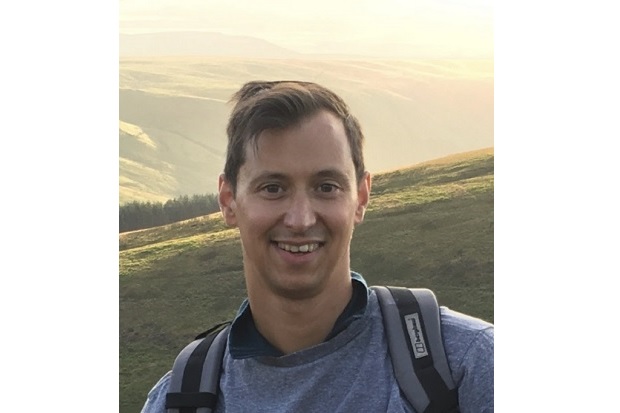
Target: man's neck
[{"x": 292, "y": 325}]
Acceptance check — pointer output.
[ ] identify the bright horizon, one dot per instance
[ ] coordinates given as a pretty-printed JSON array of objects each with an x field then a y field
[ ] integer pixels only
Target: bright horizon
[{"x": 395, "y": 28}]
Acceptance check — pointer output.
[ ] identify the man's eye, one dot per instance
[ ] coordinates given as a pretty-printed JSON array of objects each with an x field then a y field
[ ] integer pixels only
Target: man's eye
[
  {"x": 327, "y": 188},
  {"x": 272, "y": 188}
]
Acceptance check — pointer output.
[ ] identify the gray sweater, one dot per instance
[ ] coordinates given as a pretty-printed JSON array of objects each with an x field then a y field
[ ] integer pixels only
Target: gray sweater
[{"x": 351, "y": 372}]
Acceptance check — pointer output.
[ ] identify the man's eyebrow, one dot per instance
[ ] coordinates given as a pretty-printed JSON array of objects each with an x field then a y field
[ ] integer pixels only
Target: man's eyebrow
[
  {"x": 268, "y": 176},
  {"x": 336, "y": 174}
]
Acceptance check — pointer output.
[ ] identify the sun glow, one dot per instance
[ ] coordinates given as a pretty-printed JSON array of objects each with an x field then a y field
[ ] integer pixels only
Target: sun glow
[{"x": 394, "y": 28}]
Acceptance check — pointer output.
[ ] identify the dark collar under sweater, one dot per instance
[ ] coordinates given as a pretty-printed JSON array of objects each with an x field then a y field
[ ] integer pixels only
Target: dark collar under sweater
[{"x": 245, "y": 341}]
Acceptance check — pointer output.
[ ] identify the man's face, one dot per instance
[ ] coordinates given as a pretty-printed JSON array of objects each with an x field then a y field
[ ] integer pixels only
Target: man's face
[{"x": 296, "y": 205}]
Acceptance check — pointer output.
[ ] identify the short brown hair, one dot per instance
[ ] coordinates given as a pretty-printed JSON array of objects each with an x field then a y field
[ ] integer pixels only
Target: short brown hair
[{"x": 276, "y": 105}]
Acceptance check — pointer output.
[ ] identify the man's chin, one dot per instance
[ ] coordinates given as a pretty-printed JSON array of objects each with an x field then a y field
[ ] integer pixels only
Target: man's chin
[{"x": 301, "y": 287}]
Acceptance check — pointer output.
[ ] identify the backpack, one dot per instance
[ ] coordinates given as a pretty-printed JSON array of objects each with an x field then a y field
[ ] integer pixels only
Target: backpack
[{"x": 412, "y": 324}]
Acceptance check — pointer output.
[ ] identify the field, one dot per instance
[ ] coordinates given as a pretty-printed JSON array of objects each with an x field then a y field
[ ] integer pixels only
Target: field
[{"x": 428, "y": 225}]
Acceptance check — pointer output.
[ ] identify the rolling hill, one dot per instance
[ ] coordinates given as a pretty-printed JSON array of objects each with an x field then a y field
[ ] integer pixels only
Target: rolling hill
[
  {"x": 428, "y": 225},
  {"x": 173, "y": 113},
  {"x": 199, "y": 44}
]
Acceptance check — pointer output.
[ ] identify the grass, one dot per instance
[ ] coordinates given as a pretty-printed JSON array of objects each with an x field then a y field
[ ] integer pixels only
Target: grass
[{"x": 430, "y": 225}]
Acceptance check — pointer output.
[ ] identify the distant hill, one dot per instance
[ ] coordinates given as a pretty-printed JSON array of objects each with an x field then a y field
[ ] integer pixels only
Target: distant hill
[
  {"x": 199, "y": 44},
  {"x": 429, "y": 225},
  {"x": 173, "y": 113}
]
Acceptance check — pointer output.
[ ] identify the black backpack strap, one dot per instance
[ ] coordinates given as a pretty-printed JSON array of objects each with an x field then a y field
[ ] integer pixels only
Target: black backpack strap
[
  {"x": 196, "y": 372},
  {"x": 413, "y": 328}
]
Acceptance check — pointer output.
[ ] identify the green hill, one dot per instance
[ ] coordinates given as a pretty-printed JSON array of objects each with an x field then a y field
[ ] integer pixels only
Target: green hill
[{"x": 430, "y": 225}]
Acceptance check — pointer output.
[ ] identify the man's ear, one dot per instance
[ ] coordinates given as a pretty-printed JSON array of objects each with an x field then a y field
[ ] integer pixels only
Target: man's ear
[
  {"x": 363, "y": 197},
  {"x": 226, "y": 199}
]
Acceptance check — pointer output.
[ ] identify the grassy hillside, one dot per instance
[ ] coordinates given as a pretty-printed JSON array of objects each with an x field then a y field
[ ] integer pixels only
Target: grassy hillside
[
  {"x": 411, "y": 111},
  {"x": 430, "y": 225}
]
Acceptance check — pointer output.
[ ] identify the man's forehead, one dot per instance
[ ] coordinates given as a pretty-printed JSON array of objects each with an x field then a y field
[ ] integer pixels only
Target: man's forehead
[
  {"x": 278, "y": 169},
  {"x": 321, "y": 122},
  {"x": 261, "y": 163},
  {"x": 323, "y": 130}
]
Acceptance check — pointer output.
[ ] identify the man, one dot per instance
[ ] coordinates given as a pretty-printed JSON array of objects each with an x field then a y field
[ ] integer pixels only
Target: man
[{"x": 310, "y": 337}]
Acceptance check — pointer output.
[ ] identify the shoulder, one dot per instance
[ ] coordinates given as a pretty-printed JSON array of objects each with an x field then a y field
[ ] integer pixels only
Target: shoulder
[
  {"x": 463, "y": 325},
  {"x": 156, "y": 399},
  {"x": 466, "y": 337},
  {"x": 469, "y": 347}
]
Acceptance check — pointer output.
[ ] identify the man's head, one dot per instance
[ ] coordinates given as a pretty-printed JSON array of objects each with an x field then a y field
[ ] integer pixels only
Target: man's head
[
  {"x": 295, "y": 187},
  {"x": 277, "y": 105}
]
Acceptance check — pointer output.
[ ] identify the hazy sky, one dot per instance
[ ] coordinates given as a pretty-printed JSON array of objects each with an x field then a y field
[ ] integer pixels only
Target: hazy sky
[{"x": 459, "y": 28}]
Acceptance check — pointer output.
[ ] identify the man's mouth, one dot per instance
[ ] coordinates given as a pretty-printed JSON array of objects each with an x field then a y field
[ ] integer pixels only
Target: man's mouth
[{"x": 303, "y": 248}]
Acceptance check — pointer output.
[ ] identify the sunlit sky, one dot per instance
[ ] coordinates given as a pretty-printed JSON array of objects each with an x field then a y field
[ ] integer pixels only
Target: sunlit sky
[{"x": 460, "y": 28}]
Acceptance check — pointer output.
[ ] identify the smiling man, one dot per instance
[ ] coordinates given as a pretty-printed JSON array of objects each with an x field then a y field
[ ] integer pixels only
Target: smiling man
[
  {"x": 296, "y": 202},
  {"x": 310, "y": 336}
]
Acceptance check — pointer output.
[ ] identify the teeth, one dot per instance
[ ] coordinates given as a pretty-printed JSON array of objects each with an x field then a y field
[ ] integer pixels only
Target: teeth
[{"x": 298, "y": 248}]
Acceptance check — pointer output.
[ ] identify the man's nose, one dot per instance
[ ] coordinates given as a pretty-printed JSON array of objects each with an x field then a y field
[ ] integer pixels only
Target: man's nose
[{"x": 300, "y": 215}]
